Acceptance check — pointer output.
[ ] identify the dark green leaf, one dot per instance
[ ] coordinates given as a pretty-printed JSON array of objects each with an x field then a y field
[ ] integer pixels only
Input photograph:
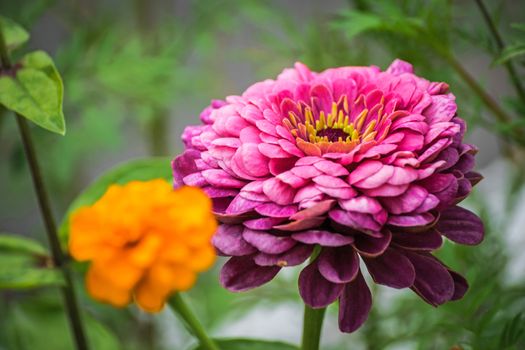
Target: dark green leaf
[
  {"x": 14, "y": 34},
  {"x": 250, "y": 344},
  {"x": 19, "y": 244},
  {"x": 510, "y": 52},
  {"x": 356, "y": 22},
  {"x": 39, "y": 322},
  {"x": 36, "y": 92},
  {"x": 518, "y": 26},
  {"x": 24, "y": 277},
  {"x": 135, "y": 170}
]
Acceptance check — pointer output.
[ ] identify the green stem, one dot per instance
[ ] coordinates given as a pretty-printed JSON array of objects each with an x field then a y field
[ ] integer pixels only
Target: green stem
[
  {"x": 312, "y": 325},
  {"x": 491, "y": 104},
  {"x": 4, "y": 53},
  {"x": 501, "y": 45},
  {"x": 68, "y": 291},
  {"x": 192, "y": 323}
]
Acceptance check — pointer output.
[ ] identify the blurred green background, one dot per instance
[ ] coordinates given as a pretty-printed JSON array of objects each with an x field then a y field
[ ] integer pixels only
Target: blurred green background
[{"x": 137, "y": 72}]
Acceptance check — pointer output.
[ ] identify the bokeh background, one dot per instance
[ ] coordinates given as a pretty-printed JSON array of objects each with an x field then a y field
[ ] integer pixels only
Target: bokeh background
[{"x": 137, "y": 72}]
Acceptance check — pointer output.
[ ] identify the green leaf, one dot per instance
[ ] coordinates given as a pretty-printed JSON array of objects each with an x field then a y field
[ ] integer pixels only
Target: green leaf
[
  {"x": 510, "y": 52},
  {"x": 23, "y": 264},
  {"x": 356, "y": 22},
  {"x": 19, "y": 244},
  {"x": 250, "y": 344},
  {"x": 35, "y": 92},
  {"x": 518, "y": 26},
  {"x": 134, "y": 170},
  {"x": 14, "y": 34},
  {"x": 14, "y": 276},
  {"x": 39, "y": 319}
]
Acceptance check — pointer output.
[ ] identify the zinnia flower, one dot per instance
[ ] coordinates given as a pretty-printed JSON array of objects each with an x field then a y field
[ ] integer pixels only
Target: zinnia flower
[
  {"x": 367, "y": 165},
  {"x": 145, "y": 241}
]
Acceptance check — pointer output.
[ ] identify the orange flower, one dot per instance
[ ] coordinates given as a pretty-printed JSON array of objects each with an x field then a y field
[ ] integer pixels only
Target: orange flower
[{"x": 144, "y": 240}]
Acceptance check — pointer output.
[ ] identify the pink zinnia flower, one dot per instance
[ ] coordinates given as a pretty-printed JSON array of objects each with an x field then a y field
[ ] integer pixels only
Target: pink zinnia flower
[{"x": 367, "y": 165}]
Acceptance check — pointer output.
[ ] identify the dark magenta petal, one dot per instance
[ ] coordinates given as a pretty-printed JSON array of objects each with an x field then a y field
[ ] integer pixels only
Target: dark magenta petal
[
  {"x": 460, "y": 285},
  {"x": 240, "y": 205},
  {"x": 317, "y": 291},
  {"x": 275, "y": 210},
  {"x": 228, "y": 240},
  {"x": 473, "y": 177},
  {"x": 295, "y": 256},
  {"x": 301, "y": 224},
  {"x": 232, "y": 219},
  {"x": 263, "y": 224},
  {"x": 433, "y": 283},
  {"x": 411, "y": 220},
  {"x": 372, "y": 246},
  {"x": 392, "y": 269},
  {"x": 354, "y": 305},
  {"x": 338, "y": 265},
  {"x": 318, "y": 209},
  {"x": 268, "y": 243},
  {"x": 323, "y": 238},
  {"x": 241, "y": 273},
  {"x": 427, "y": 240},
  {"x": 355, "y": 220},
  {"x": 461, "y": 226}
]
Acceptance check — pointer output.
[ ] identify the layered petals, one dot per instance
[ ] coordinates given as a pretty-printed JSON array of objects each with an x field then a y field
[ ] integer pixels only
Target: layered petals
[{"x": 352, "y": 163}]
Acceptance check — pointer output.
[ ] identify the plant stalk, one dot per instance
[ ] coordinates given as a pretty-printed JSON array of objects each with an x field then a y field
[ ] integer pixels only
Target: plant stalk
[
  {"x": 312, "y": 325},
  {"x": 68, "y": 291},
  {"x": 495, "y": 108},
  {"x": 182, "y": 309},
  {"x": 501, "y": 45}
]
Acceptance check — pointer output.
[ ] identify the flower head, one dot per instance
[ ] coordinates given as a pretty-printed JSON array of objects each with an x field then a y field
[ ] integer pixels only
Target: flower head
[
  {"x": 368, "y": 165},
  {"x": 145, "y": 241}
]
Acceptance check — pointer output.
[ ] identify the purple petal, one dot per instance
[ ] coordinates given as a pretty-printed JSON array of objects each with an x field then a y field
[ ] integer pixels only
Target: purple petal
[
  {"x": 323, "y": 238},
  {"x": 316, "y": 291},
  {"x": 300, "y": 225},
  {"x": 412, "y": 220},
  {"x": 241, "y": 273},
  {"x": 240, "y": 205},
  {"x": 278, "y": 191},
  {"x": 229, "y": 241},
  {"x": 331, "y": 168},
  {"x": 295, "y": 256},
  {"x": 427, "y": 240},
  {"x": 277, "y": 211},
  {"x": 433, "y": 281},
  {"x": 372, "y": 246},
  {"x": 268, "y": 243},
  {"x": 318, "y": 209},
  {"x": 263, "y": 224},
  {"x": 460, "y": 285},
  {"x": 220, "y": 178},
  {"x": 473, "y": 177},
  {"x": 358, "y": 221},
  {"x": 407, "y": 202},
  {"x": 338, "y": 265},
  {"x": 354, "y": 305},
  {"x": 398, "y": 67},
  {"x": 377, "y": 179},
  {"x": 340, "y": 192},
  {"x": 461, "y": 226},
  {"x": 392, "y": 269},
  {"x": 330, "y": 181}
]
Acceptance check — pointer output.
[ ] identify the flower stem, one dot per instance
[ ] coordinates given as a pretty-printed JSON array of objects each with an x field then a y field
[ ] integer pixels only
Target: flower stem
[
  {"x": 498, "y": 112},
  {"x": 312, "y": 325},
  {"x": 501, "y": 45},
  {"x": 178, "y": 305},
  {"x": 68, "y": 291}
]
